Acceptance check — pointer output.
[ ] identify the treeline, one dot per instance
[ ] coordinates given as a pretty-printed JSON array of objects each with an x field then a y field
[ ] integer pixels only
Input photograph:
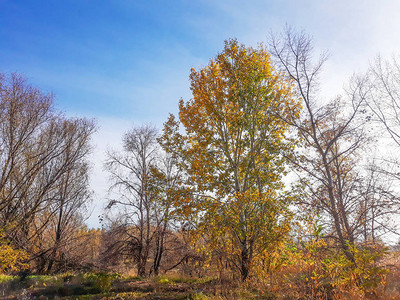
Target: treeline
[
  {"x": 260, "y": 179},
  {"x": 44, "y": 174}
]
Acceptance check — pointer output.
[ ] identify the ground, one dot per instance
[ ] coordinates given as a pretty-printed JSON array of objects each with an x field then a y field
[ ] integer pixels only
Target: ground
[{"x": 114, "y": 286}]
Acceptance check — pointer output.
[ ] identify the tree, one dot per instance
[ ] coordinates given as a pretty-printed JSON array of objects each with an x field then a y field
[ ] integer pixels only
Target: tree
[
  {"x": 130, "y": 173},
  {"x": 43, "y": 178},
  {"x": 384, "y": 95},
  {"x": 333, "y": 138},
  {"x": 232, "y": 151},
  {"x": 166, "y": 186},
  {"x": 383, "y": 102},
  {"x": 72, "y": 193}
]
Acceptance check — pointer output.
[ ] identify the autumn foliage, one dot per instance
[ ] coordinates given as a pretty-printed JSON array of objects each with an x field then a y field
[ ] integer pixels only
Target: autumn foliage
[
  {"x": 254, "y": 188},
  {"x": 233, "y": 153}
]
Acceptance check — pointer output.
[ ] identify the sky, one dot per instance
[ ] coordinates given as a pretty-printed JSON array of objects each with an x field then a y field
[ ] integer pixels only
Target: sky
[{"x": 125, "y": 63}]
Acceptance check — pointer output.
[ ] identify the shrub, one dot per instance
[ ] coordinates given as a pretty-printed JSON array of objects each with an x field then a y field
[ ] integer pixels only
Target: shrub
[
  {"x": 101, "y": 281},
  {"x": 11, "y": 259}
]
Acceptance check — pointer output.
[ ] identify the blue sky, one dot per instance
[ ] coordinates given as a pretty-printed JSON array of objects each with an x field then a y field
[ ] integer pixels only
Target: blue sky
[
  {"x": 102, "y": 58},
  {"x": 127, "y": 62},
  {"x": 131, "y": 59}
]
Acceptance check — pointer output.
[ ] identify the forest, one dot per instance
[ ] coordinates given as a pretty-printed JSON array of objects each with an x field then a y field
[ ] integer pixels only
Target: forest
[{"x": 259, "y": 188}]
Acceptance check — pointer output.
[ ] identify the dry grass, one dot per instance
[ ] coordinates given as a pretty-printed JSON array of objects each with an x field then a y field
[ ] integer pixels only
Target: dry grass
[{"x": 292, "y": 282}]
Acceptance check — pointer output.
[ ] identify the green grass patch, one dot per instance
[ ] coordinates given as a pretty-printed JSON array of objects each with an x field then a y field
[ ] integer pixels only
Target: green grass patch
[
  {"x": 132, "y": 278},
  {"x": 104, "y": 286},
  {"x": 61, "y": 285},
  {"x": 199, "y": 296},
  {"x": 165, "y": 279},
  {"x": 7, "y": 278}
]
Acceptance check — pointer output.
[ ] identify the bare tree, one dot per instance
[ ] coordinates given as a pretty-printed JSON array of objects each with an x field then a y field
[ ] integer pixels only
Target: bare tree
[
  {"x": 384, "y": 95},
  {"x": 147, "y": 181},
  {"x": 378, "y": 203},
  {"x": 130, "y": 174},
  {"x": 383, "y": 100},
  {"x": 72, "y": 193},
  {"x": 42, "y": 158},
  {"x": 332, "y": 137}
]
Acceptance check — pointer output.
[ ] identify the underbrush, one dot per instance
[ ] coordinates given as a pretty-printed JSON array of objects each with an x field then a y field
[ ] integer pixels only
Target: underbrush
[
  {"x": 172, "y": 279},
  {"x": 317, "y": 271},
  {"x": 67, "y": 284},
  {"x": 303, "y": 277},
  {"x": 103, "y": 286},
  {"x": 6, "y": 278}
]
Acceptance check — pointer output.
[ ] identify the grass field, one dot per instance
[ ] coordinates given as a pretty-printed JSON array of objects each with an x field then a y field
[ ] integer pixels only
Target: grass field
[
  {"x": 102, "y": 285},
  {"x": 114, "y": 286}
]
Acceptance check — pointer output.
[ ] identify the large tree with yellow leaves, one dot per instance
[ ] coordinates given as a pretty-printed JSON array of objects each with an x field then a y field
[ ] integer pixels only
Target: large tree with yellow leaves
[{"x": 234, "y": 150}]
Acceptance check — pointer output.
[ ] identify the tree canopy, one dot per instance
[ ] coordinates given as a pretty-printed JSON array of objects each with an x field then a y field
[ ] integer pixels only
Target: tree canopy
[{"x": 234, "y": 150}]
